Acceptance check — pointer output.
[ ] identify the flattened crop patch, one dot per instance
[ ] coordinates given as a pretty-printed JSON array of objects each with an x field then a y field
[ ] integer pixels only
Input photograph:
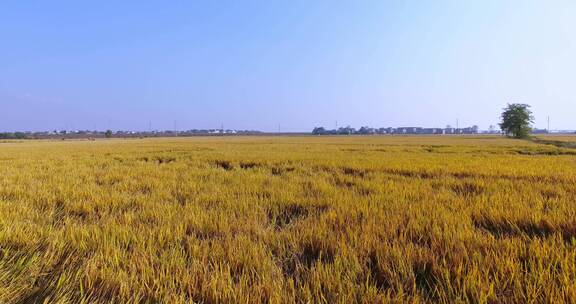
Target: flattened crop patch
[{"x": 282, "y": 216}]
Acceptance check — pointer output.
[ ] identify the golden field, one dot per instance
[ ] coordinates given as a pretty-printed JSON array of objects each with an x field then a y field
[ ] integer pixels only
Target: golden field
[
  {"x": 559, "y": 137},
  {"x": 287, "y": 220}
]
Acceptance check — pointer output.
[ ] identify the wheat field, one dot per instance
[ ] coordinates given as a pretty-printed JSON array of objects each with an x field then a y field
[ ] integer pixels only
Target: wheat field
[{"x": 287, "y": 220}]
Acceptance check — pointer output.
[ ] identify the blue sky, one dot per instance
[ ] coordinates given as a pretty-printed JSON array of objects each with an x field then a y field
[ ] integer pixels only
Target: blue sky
[{"x": 300, "y": 64}]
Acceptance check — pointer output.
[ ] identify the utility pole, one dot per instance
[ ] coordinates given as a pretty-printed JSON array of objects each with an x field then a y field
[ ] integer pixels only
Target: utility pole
[
  {"x": 175, "y": 128},
  {"x": 548, "y": 129},
  {"x": 457, "y": 126},
  {"x": 279, "y": 129}
]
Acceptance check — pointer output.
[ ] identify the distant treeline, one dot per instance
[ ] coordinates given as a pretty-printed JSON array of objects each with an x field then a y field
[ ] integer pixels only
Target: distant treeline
[
  {"x": 121, "y": 134},
  {"x": 14, "y": 135}
]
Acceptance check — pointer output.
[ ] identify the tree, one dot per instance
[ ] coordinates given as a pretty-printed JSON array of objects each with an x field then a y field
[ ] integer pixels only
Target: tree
[
  {"x": 108, "y": 133},
  {"x": 517, "y": 120},
  {"x": 366, "y": 130},
  {"x": 346, "y": 131},
  {"x": 19, "y": 135},
  {"x": 319, "y": 131}
]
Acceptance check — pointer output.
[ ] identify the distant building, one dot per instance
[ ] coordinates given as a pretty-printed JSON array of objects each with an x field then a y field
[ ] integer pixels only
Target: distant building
[
  {"x": 432, "y": 131},
  {"x": 409, "y": 130}
]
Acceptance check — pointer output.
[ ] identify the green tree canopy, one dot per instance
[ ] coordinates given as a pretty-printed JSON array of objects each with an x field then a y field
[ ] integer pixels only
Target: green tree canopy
[{"x": 517, "y": 120}]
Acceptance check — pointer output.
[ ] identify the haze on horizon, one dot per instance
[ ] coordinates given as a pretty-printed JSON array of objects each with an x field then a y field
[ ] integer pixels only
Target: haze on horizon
[{"x": 298, "y": 64}]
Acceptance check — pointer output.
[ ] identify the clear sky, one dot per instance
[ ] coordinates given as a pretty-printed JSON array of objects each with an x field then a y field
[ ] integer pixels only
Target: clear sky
[{"x": 298, "y": 63}]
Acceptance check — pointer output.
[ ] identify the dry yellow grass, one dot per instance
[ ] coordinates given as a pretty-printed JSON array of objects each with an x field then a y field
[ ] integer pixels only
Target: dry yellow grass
[
  {"x": 288, "y": 220},
  {"x": 559, "y": 137}
]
